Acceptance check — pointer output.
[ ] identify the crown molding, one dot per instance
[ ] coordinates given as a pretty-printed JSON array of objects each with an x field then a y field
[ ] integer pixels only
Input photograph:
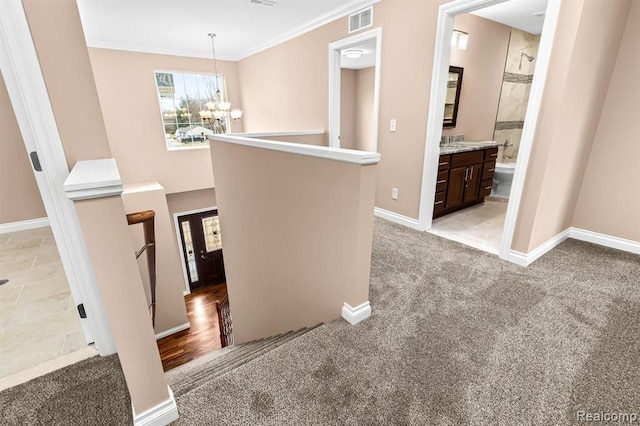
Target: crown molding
[
  {"x": 142, "y": 48},
  {"x": 344, "y": 10},
  {"x": 341, "y": 12}
]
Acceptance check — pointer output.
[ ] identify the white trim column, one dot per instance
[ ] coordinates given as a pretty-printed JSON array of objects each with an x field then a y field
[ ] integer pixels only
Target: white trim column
[
  {"x": 34, "y": 113},
  {"x": 95, "y": 186}
]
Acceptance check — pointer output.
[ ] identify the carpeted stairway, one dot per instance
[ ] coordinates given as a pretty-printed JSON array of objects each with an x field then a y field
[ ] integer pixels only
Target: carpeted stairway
[{"x": 200, "y": 371}]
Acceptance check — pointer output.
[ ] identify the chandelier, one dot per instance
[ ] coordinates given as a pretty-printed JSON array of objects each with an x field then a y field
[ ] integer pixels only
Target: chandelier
[{"x": 218, "y": 108}]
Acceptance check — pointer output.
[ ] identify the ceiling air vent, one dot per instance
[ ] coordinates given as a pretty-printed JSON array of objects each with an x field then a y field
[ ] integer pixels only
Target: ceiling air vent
[
  {"x": 264, "y": 2},
  {"x": 361, "y": 19}
]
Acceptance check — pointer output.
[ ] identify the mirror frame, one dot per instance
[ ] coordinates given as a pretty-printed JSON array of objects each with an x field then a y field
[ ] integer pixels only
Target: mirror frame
[{"x": 456, "y": 104}]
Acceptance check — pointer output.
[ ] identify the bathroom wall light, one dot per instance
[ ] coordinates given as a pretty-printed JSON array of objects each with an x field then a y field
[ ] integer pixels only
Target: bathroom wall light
[
  {"x": 459, "y": 40},
  {"x": 353, "y": 53}
]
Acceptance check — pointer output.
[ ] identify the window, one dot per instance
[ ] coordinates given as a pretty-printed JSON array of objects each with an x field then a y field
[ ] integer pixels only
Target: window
[{"x": 185, "y": 102}]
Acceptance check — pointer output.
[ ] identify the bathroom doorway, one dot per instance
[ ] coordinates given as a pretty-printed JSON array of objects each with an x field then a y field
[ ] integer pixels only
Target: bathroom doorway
[
  {"x": 482, "y": 158},
  {"x": 354, "y": 91}
]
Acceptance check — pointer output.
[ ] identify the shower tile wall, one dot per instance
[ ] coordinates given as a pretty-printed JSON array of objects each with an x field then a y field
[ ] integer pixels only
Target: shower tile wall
[{"x": 516, "y": 86}]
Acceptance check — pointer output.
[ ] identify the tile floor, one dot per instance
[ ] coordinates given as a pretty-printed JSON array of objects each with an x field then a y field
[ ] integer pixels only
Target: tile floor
[
  {"x": 479, "y": 226},
  {"x": 38, "y": 319}
]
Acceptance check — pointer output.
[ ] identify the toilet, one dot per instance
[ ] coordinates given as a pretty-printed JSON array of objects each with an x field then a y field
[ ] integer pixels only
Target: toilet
[{"x": 502, "y": 178}]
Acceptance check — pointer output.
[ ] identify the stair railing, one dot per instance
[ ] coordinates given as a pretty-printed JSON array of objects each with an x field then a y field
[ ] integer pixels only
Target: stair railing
[
  {"x": 147, "y": 219},
  {"x": 224, "y": 321}
]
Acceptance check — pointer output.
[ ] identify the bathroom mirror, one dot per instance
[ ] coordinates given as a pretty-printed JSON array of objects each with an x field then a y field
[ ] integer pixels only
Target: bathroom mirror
[{"x": 452, "y": 100}]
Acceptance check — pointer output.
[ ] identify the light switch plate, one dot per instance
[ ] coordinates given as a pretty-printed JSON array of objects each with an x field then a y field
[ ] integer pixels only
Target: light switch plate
[
  {"x": 394, "y": 193},
  {"x": 393, "y": 125}
]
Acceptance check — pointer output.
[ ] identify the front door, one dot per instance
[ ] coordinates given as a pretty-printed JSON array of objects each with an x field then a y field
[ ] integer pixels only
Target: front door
[{"x": 202, "y": 247}]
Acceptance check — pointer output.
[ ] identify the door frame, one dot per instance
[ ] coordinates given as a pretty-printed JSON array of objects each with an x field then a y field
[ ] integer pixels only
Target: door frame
[
  {"x": 446, "y": 15},
  {"x": 176, "y": 224},
  {"x": 36, "y": 120},
  {"x": 334, "y": 83}
]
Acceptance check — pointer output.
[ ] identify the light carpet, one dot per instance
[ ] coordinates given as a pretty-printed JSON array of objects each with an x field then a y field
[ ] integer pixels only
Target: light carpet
[{"x": 457, "y": 336}]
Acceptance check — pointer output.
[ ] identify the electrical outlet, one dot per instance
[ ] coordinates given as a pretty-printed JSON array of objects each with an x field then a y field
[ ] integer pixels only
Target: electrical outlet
[
  {"x": 393, "y": 125},
  {"x": 394, "y": 193}
]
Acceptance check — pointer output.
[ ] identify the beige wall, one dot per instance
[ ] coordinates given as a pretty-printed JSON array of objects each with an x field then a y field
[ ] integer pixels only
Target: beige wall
[
  {"x": 286, "y": 88},
  {"x": 293, "y": 256},
  {"x": 132, "y": 116},
  {"x": 365, "y": 86},
  {"x": 121, "y": 287},
  {"x": 563, "y": 135},
  {"x": 580, "y": 71},
  {"x": 81, "y": 127},
  {"x": 483, "y": 62},
  {"x": 297, "y": 72},
  {"x": 609, "y": 200},
  {"x": 19, "y": 194},
  {"x": 348, "y": 102},
  {"x": 192, "y": 200},
  {"x": 356, "y": 108},
  {"x": 170, "y": 307},
  {"x": 59, "y": 41}
]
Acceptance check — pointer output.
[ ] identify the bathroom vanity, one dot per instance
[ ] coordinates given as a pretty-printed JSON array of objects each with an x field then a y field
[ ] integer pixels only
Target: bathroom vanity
[{"x": 465, "y": 175}]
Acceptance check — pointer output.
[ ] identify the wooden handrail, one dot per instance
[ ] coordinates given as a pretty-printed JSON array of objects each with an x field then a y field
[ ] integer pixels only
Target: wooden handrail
[{"x": 147, "y": 219}]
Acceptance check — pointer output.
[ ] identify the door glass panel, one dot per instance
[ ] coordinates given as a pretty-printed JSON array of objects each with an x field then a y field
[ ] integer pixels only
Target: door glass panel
[
  {"x": 211, "y": 229},
  {"x": 188, "y": 246}
]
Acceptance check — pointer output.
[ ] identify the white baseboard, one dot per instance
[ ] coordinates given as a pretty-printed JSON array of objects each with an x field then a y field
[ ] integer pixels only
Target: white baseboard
[
  {"x": 23, "y": 225},
  {"x": 518, "y": 258},
  {"x": 605, "y": 240},
  {"x": 526, "y": 259},
  {"x": 160, "y": 415},
  {"x": 357, "y": 314},
  {"x": 173, "y": 330},
  {"x": 397, "y": 218},
  {"x": 577, "y": 234}
]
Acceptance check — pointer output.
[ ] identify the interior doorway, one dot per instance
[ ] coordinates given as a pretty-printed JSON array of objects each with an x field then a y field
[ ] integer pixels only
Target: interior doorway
[
  {"x": 445, "y": 31},
  {"x": 354, "y": 91},
  {"x": 201, "y": 244},
  {"x": 491, "y": 69}
]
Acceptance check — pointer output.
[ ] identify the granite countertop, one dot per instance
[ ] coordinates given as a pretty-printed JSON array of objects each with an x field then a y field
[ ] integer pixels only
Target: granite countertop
[{"x": 456, "y": 147}]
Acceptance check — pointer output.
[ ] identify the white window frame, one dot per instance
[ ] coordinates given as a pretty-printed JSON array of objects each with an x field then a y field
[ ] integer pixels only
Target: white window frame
[{"x": 225, "y": 94}]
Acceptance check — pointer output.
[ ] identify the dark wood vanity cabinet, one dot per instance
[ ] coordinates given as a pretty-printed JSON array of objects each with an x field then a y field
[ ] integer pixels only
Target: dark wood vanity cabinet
[{"x": 464, "y": 179}]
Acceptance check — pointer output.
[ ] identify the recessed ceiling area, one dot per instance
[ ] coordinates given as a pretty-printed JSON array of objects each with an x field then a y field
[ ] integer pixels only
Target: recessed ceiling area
[
  {"x": 521, "y": 14},
  {"x": 367, "y": 60},
  {"x": 243, "y": 27}
]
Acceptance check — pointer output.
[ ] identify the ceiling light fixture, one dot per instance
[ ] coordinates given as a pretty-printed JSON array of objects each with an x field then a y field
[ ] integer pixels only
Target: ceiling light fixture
[
  {"x": 459, "y": 40},
  {"x": 353, "y": 53},
  {"x": 219, "y": 107}
]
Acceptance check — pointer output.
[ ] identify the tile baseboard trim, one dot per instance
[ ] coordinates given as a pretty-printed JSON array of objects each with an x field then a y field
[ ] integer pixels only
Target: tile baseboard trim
[
  {"x": 24, "y": 225},
  {"x": 160, "y": 415},
  {"x": 605, "y": 240},
  {"x": 173, "y": 330},
  {"x": 397, "y": 218},
  {"x": 357, "y": 314}
]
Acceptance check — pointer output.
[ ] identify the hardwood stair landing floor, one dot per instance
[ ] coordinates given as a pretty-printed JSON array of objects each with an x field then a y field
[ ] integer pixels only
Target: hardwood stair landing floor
[{"x": 202, "y": 337}]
